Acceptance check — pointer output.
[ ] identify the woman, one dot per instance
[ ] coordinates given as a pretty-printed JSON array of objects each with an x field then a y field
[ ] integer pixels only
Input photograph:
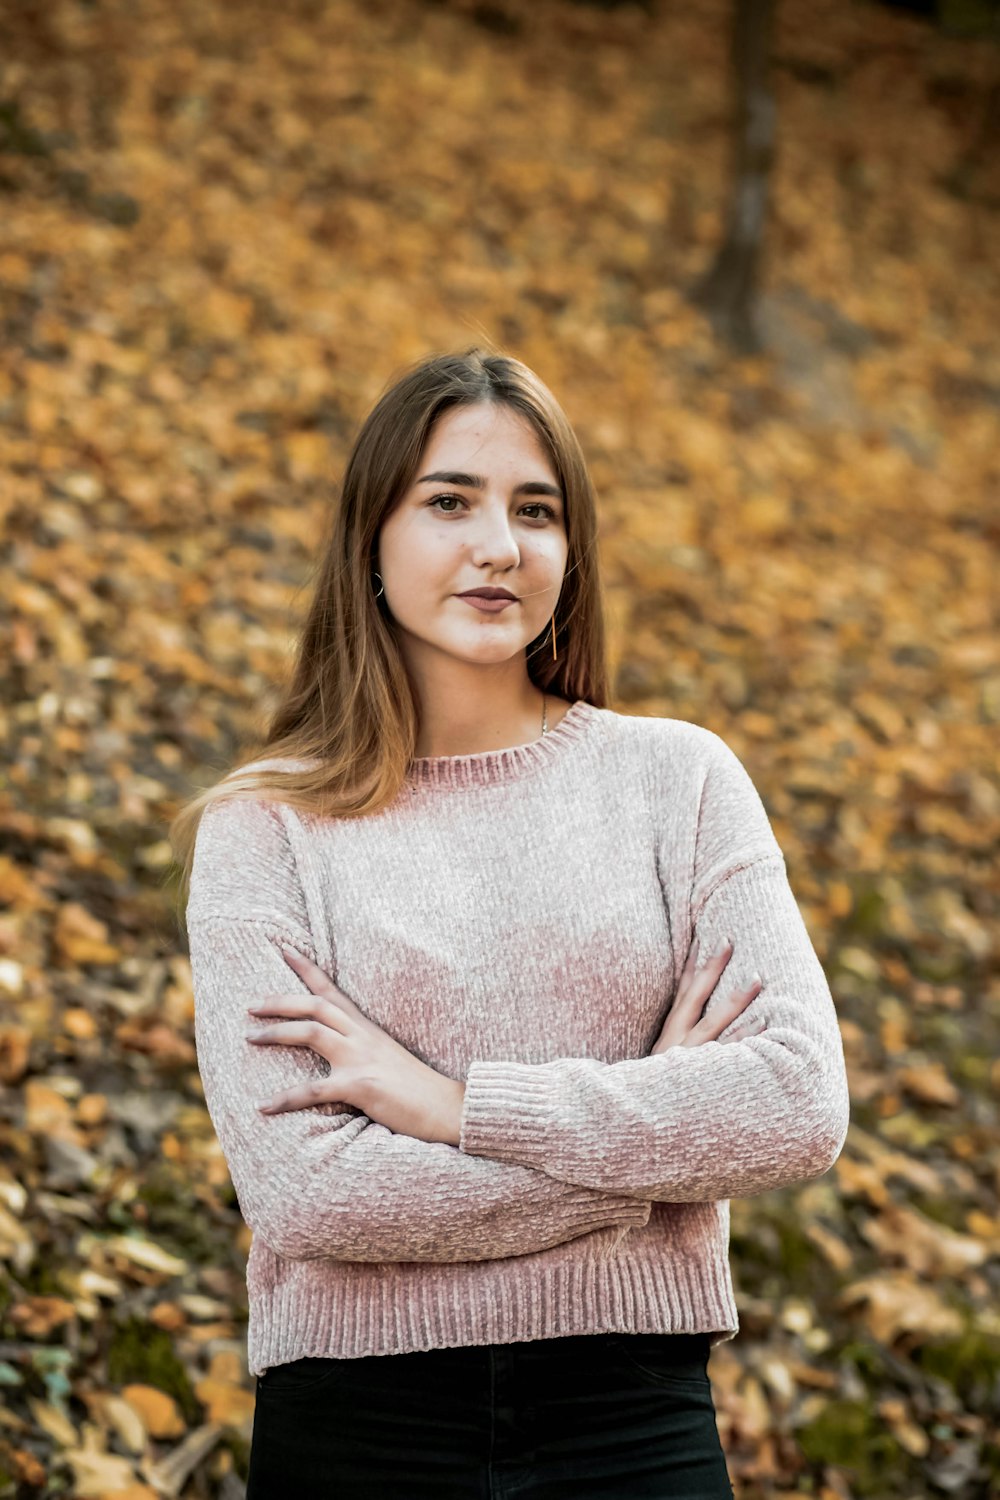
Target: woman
[{"x": 468, "y": 950}]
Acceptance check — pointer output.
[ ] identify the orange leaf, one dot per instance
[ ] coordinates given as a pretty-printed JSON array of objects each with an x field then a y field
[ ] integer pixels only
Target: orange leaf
[{"x": 158, "y": 1412}]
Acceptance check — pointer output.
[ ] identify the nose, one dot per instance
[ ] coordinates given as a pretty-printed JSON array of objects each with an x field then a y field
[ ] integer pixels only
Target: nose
[{"x": 494, "y": 541}]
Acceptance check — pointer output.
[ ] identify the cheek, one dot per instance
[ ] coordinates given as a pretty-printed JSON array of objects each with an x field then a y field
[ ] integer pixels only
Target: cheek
[
  {"x": 547, "y": 553},
  {"x": 420, "y": 569},
  {"x": 413, "y": 554}
]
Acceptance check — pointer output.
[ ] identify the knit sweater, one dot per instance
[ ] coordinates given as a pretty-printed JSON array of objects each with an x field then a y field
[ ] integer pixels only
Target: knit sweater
[{"x": 518, "y": 919}]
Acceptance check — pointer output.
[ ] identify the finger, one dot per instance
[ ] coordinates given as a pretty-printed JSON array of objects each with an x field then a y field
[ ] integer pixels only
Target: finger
[
  {"x": 281, "y": 1004},
  {"x": 741, "y": 1033},
  {"x": 709, "y": 1027},
  {"x": 301, "y": 1007},
  {"x": 319, "y": 981},
  {"x": 316, "y": 978},
  {"x": 693, "y": 991},
  {"x": 322, "y": 1039},
  {"x": 304, "y": 1096}
]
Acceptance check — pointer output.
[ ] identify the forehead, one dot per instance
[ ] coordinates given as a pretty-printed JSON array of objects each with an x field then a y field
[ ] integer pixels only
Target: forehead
[{"x": 488, "y": 431}]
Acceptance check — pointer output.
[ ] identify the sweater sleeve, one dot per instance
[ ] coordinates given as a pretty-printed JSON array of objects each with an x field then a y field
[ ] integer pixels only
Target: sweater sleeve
[
  {"x": 326, "y": 1180},
  {"x": 716, "y": 1120}
]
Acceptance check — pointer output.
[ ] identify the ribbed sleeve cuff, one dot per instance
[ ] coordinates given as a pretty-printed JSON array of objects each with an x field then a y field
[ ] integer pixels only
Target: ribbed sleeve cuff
[{"x": 508, "y": 1113}]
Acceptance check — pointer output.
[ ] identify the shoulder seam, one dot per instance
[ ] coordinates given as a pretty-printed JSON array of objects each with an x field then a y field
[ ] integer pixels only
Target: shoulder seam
[{"x": 731, "y": 868}]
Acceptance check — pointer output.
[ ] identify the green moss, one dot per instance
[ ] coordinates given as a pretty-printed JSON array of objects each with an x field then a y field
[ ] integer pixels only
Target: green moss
[
  {"x": 913, "y": 1132},
  {"x": 948, "y": 1212},
  {"x": 142, "y": 1353},
  {"x": 969, "y": 1364},
  {"x": 778, "y": 1243},
  {"x": 866, "y": 1358},
  {"x": 176, "y": 1218},
  {"x": 975, "y": 1070},
  {"x": 867, "y": 914},
  {"x": 240, "y": 1449},
  {"x": 939, "y": 968},
  {"x": 851, "y": 1436},
  {"x": 43, "y": 1280}
]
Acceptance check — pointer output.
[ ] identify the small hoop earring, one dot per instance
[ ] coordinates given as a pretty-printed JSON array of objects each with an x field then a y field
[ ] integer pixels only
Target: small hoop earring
[
  {"x": 554, "y": 655},
  {"x": 381, "y": 590}
]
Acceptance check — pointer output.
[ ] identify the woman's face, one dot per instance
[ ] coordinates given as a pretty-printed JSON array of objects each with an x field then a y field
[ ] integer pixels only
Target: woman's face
[{"x": 484, "y": 511}]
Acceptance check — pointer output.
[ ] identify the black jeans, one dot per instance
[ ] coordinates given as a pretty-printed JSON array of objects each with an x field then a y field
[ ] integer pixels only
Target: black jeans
[{"x": 603, "y": 1416}]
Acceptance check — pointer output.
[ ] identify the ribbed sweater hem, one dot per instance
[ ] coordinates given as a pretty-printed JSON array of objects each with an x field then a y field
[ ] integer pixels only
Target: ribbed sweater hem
[
  {"x": 344, "y": 1313},
  {"x": 508, "y": 1113}
]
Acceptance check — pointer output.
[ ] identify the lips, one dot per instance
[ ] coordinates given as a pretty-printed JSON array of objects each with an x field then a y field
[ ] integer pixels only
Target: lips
[
  {"x": 486, "y": 606},
  {"x": 488, "y": 594}
]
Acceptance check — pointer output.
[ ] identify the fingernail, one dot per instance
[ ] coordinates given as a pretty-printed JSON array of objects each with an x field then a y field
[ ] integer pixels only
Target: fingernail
[
  {"x": 263, "y": 1104},
  {"x": 755, "y": 978}
]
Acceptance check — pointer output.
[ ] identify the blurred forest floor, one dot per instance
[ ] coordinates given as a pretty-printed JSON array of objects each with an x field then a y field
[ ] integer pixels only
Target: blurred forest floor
[{"x": 225, "y": 226}]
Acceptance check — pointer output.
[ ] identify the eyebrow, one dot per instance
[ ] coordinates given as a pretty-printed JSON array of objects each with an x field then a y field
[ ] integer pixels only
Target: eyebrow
[{"x": 477, "y": 482}]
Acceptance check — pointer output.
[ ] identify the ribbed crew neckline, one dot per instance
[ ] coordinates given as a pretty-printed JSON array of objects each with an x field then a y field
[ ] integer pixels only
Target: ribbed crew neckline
[{"x": 489, "y": 767}]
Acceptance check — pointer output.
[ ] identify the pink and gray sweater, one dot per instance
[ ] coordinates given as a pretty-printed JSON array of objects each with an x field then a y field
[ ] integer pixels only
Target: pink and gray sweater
[{"x": 518, "y": 919}]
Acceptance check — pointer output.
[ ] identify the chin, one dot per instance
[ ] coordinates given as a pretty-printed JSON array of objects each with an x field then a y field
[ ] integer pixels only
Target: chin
[{"x": 495, "y": 650}]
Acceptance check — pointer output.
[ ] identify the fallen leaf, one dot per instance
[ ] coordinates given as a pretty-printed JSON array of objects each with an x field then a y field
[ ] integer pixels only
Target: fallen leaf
[
  {"x": 144, "y": 1253},
  {"x": 225, "y": 1402},
  {"x": 899, "y": 1304},
  {"x": 37, "y": 1317},
  {"x": 80, "y": 938},
  {"x": 158, "y": 1412},
  {"x": 929, "y": 1083}
]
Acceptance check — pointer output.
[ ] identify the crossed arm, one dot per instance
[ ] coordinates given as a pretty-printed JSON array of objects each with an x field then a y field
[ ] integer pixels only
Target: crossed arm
[
  {"x": 547, "y": 1152},
  {"x": 326, "y": 1180}
]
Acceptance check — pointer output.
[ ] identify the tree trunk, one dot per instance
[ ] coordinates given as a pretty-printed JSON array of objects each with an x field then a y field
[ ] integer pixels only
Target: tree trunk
[{"x": 727, "y": 292}]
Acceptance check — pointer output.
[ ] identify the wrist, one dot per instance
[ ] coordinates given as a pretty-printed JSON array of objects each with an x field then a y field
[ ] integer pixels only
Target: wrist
[{"x": 452, "y": 1101}]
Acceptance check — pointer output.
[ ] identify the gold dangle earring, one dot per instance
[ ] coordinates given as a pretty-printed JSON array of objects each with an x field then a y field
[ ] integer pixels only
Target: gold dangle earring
[{"x": 554, "y": 655}]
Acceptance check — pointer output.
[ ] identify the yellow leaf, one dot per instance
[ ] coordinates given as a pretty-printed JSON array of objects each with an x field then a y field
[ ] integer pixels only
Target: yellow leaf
[
  {"x": 225, "y": 1402},
  {"x": 55, "y": 1422},
  {"x": 91, "y": 1109},
  {"x": 145, "y": 1253},
  {"x": 837, "y": 1253},
  {"x": 930, "y": 1083},
  {"x": 861, "y": 1179},
  {"x": 914, "y": 1439},
  {"x": 15, "y": 1046},
  {"x": 79, "y": 1023},
  {"x": 926, "y": 1247},
  {"x": 125, "y": 1420},
  {"x": 80, "y": 938},
  {"x": 897, "y": 1304},
  {"x": 16, "y": 1242},
  {"x": 99, "y": 1474},
  {"x": 46, "y": 1111},
  {"x": 36, "y": 1317},
  {"x": 158, "y": 1412},
  {"x": 308, "y": 454},
  {"x": 226, "y": 1364},
  {"x": 765, "y": 515}
]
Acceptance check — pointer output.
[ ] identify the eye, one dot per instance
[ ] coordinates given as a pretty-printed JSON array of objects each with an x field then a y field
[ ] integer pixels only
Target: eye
[{"x": 539, "y": 505}]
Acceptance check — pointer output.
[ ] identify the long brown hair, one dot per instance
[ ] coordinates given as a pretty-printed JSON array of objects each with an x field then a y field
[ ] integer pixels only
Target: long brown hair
[{"x": 349, "y": 708}]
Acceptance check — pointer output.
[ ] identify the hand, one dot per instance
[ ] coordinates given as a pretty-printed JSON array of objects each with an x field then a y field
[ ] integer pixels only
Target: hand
[
  {"x": 368, "y": 1068},
  {"x": 682, "y": 1028}
]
